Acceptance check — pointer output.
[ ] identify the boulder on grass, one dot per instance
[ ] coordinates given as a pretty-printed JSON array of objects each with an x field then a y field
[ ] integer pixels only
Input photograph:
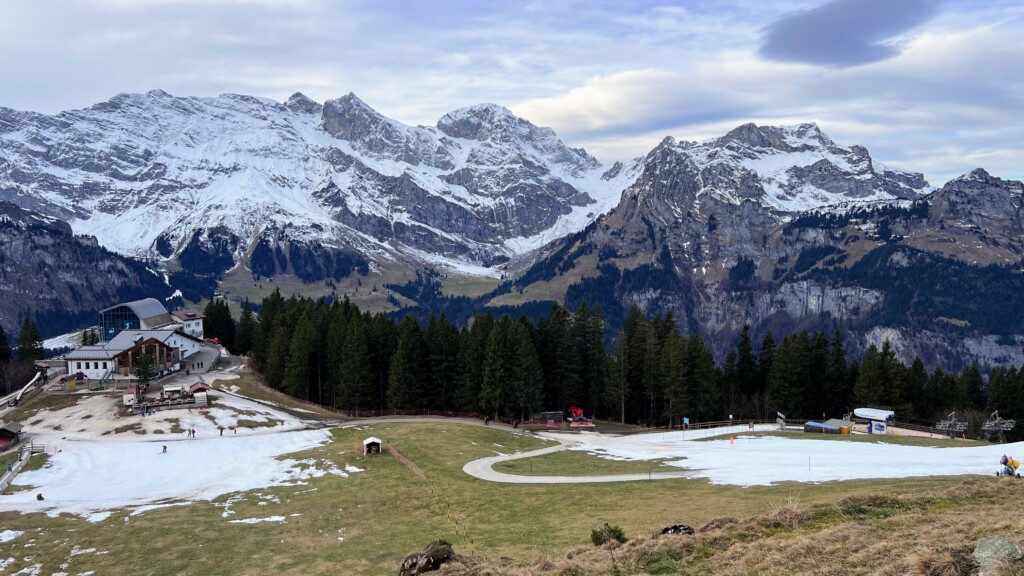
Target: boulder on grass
[
  {"x": 677, "y": 530},
  {"x": 992, "y": 552},
  {"x": 430, "y": 559}
]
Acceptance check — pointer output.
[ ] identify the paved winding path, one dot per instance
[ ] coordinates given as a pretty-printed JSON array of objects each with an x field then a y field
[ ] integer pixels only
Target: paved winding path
[{"x": 484, "y": 469}]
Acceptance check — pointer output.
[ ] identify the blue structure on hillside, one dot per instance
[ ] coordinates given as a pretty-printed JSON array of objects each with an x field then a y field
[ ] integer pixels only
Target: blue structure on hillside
[{"x": 145, "y": 314}]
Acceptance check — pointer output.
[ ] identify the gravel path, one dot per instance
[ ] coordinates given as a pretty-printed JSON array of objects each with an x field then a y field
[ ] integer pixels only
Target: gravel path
[{"x": 484, "y": 469}]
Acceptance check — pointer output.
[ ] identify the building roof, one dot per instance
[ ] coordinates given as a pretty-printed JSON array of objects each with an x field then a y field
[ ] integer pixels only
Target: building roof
[
  {"x": 124, "y": 340},
  {"x": 14, "y": 427},
  {"x": 186, "y": 314},
  {"x": 875, "y": 414},
  {"x": 149, "y": 310},
  {"x": 839, "y": 422},
  {"x": 372, "y": 440}
]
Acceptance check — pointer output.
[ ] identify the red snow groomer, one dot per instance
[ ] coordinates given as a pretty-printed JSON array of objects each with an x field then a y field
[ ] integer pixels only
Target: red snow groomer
[{"x": 577, "y": 419}]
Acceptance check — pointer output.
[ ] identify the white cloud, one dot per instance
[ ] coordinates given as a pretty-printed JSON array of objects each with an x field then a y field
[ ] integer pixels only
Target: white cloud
[{"x": 613, "y": 77}]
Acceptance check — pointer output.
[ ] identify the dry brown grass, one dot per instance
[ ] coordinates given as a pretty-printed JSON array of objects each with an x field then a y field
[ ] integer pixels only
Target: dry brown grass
[
  {"x": 945, "y": 561},
  {"x": 930, "y": 535}
]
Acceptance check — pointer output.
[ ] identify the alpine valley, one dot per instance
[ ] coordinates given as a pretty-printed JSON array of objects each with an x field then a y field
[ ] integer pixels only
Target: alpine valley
[{"x": 776, "y": 227}]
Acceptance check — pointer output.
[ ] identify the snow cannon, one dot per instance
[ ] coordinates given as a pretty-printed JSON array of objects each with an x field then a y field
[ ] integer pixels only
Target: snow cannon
[{"x": 1008, "y": 467}]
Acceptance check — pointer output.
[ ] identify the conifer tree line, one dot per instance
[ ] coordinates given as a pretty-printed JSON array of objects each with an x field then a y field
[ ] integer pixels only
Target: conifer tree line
[
  {"x": 336, "y": 355},
  {"x": 17, "y": 364}
]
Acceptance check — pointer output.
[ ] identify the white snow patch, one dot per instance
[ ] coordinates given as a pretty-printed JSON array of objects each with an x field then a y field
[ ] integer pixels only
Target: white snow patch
[
  {"x": 98, "y": 517},
  {"x": 257, "y": 520},
  {"x": 765, "y": 460},
  {"x": 8, "y": 535},
  {"x": 143, "y": 509},
  {"x": 95, "y": 475}
]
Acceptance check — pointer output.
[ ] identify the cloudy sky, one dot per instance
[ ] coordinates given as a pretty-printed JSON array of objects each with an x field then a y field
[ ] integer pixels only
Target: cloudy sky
[{"x": 929, "y": 85}]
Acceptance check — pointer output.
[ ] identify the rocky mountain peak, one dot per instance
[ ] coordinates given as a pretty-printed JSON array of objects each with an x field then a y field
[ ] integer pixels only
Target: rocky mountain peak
[
  {"x": 299, "y": 102},
  {"x": 801, "y": 137},
  {"x": 349, "y": 118},
  {"x": 978, "y": 197},
  {"x": 480, "y": 122}
]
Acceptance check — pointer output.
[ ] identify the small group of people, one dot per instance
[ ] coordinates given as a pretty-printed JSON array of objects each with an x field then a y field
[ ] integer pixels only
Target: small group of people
[
  {"x": 192, "y": 432},
  {"x": 1009, "y": 466}
]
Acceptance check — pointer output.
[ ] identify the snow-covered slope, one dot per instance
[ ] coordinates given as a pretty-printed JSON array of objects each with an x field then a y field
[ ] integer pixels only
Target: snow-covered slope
[
  {"x": 786, "y": 169},
  {"x": 148, "y": 174}
]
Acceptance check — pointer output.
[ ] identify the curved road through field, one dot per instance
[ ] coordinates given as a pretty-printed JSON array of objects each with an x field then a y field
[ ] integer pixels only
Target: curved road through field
[{"x": 483, "y": 469}]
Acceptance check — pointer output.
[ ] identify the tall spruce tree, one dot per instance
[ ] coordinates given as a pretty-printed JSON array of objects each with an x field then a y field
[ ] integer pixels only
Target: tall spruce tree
[
  {"x": 30, "y": 342},
  {"x": 297, "y": 373},
  {"x": 617, "y": 388},
  {"x": 837, "y": 383},
  {"x": 246, "y": 330},
  {"x": 442, "y": 341},
  {"x": 5, "y": 360},
  {"x": 747, "y": 375},
  {"x": 675, "y": 374},
  {"x": 357, "y": 389},
  {"x": 869, "y": 389},
  {"x": 704, "y": 380},
  {"x": 499, "y": 362},
  {"x": 527, "y": 391},
  {"x": 405, "y": 384}
]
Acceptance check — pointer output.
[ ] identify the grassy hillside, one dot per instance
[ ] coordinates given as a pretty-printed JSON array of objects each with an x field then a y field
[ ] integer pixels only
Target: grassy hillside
[{"x": 366, "y": 523}]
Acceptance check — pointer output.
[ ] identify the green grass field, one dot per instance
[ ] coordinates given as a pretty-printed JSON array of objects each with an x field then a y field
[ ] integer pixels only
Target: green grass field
[
  {"x": 576, "y": 463},
  {"x": 366, "y": 523}
]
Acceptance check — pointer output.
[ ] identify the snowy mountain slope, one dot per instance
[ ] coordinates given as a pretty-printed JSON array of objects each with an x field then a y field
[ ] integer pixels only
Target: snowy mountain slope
[
  {"x": 789, "y": 169},
  {"x": 149, "y": 174}
]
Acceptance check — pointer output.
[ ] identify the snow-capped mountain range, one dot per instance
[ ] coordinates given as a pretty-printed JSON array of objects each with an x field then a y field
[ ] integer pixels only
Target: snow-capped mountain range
[
  {"x": 142, "y": 172},
  {"x": 151, "y": 174}
]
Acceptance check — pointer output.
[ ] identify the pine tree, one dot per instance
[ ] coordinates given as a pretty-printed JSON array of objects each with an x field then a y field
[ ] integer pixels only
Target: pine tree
[
  {"x": 675, "y": 374},
  {"x": 747, "y": 376},
  {"x": 617, "y": 388},
  {"x": 914, "y": 389},
  {"x": 765, "y": 359},
  {"x": 974, "y": 386},
  {"x": 837, "y": 381},
  {"x": 356, "y": 385},
  {"x": 30, "y": 342},
  {"x": 704, "y": 380},
  {"x": 246, "y": 330},
  {"x": 277, "y": 355},
  {"x": 498, "y": 369},
  {"x": 143, "y": 369},
  {"x": 472, "y": 355},
  {"x": 787, "y": 392},
  {"x": 442, "y": 341},
  {"x": 729, "y": 385},
  {"x": 271, "y": 310},
  {"x": 406, "y": 370},
  {"x": 869, "y": 389},
  {"x": 528, "y": 383},
  {"x": 297, "y": 371},
  {"x": 5, "y": 359},
  {"x": 555, "y": 356}
]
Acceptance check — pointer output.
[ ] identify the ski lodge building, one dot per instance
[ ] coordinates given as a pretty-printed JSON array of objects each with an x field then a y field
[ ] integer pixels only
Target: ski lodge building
[{"x": 133, "y": 329}]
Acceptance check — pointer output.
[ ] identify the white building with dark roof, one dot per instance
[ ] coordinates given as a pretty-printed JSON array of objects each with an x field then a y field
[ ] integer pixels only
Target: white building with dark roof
[
  {"x": 118, "y": 357},
  {"x": 191, "y": 321}
]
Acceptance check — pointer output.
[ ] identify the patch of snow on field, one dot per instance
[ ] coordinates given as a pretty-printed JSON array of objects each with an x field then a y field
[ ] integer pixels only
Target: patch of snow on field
[
  {"x": 8, "y": 535},
  {"x": 766, "y": 460},
  {"x": 143, "y": 509},
  {"x": 97, "y": 517},
  {"x": 257, "y": 520},
  {"x": 89, "y": 476}
]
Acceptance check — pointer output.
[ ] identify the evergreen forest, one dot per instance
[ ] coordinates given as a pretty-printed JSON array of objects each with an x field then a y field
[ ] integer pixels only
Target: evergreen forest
[{"x": 333, "y": 354}]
